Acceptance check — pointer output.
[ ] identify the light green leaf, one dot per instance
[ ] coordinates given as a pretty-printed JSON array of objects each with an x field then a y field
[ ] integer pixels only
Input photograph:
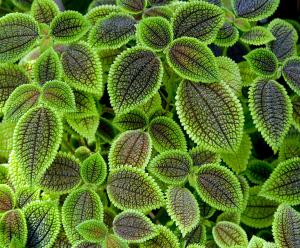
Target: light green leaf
[
  {"x": 227, "y": 36},
  {"x": 257, "y": 36},
  {"x": 92, "y": 230},
  {"x": 44, "y": 11}
]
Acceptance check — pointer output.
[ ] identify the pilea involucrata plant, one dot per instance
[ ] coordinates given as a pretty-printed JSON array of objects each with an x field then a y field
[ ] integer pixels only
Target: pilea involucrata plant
[{"x": 149, "y": 123}]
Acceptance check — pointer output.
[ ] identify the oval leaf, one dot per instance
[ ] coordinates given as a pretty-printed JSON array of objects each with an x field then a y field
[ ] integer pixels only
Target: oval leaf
[
  {"x": 132, "y": 6},
  {"x": 257, "y": 36},
  {"x": 227, "y": 36},
  {"x": 92, "y": 230},
  {"x": 44, "y": 10},
  {"x": 291, "y": 73},
  {"x": 7, "y": 198},
  {"x": 134, "y": 119}
]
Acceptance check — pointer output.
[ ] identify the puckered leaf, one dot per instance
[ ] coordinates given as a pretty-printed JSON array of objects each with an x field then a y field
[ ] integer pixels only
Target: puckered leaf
[
  {"x": 290, "y": 147},
  {"x": 113, "y": 241},
  {"x": 92, "y": 230},
  {"x": 101, "y": 11},
  {"x": 200, "y": 20},
  {"x": 296, "y": 111},
  {"x": 291, "y": 73},
  {"x": 257, "y": 36},
  {"x": 134, "y": 78},
  {"x": 22, "y": 4},
  {"x": 234, "y": 217},
  {"x": 132, "y": 6},
  {"x": 163, "y": 11},
  {"x": 256, "y": 242},
  {"x": 258, "y": 171},
  {"x": 6, "y": 139},
  {"x": 18, "y": 34},
  {"x": 248, "y": 76},
  {"x": 36, "y": 141},
  {"x": 196, "y": 236},
  {"x": 86, "y": 244},
  {"x": 44, "y": 10},
  {"x": 183, "y": 208},
  {"x": 192, "y": 60},
  {"x": 211, "y": 114},
  {"x": 201, "y": 156},
  {"x": 7, "y": 198},
  {"x": 134, "y": 119},
  {"x": 26, "y": 195},
  {"x": 227, "y": 36},
  {"x": 134, "y": 226},
  {"x": 62, "y": 240},
  {"x": 271, "y": 110},
  {"x": 132, "y": 188}
]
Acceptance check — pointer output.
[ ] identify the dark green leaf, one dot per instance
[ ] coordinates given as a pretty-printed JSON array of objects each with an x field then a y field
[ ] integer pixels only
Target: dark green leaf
[
  {"x": 134, "y": 119},
  {"x": 227, "y": 36},
  {"x": 291, "y": 73},
  {"x": 257, "y": 36},
  {"x": 44, "y": 10},
  {"x": 132, "y": 6}
]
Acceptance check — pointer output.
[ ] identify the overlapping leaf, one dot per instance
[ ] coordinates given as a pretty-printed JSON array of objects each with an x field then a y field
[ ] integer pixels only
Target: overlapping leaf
[
  {"x": 227, "y": 36},
  {"x": 44, "y": 11},
  {"x": 162, "y": 11},
  {"x": 7, "y": 198},
  {"x": 257, "y": 36},
  {"x": 196, "y": 236},
  {"x": 101, "y": 11},
  {"x": 92, "y": 230},
  {"x": 26, "y": 195},
  {"x": 258, "y": 171},
  {"x": 291, "y": 73},
  {"x": 134, "y": 119},
  {"x": 202, "y": 156},
  {"x": 296, "y": 111},
  {"x": 132, "y": 6}
]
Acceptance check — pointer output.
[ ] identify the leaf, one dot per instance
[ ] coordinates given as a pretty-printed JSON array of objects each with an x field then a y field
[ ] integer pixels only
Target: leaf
[
  {"x": 171, "y": 167},
  {"x": 86, "y": 244},
  {"x": 63, "y": 175},
  {"x": 43, "y": 224},
  {"x": 13, "y": 227},
  {"x": 211, "y": 115},
  {"x": 228, "y": 234},
  {"x": 227, "y": 36},
  {"x": 22, "y": 4},
  {"x": 44, "y": 11},
  {"x": 7, "y": 198},
  {"x": 132, "y": 188},
  {"x": 134, "y": 119},
  {"x": 166, "y": 134},
  {"x": 16, "y": 176},
  {"x": 58, "y": 95},
  {"x": 80, "y": 205},
  {"x": 258, "y": 171},
  {"x": 259, "y": 210},
  {"x": 132, "y": 6},
  {"x": 255, "y": 10},
  {"x": 248, "y": 76},
  {"x": 6, "y": 139},
  {"x": 219, "y": 187},
  {"x": 155, "y": 33},
  {"x": 245, "y": 189},
  {"x": 101, "y": 11},
  {"x": 130, "y": 148},
  {"x": 133, "y": 226},
  {"x": 18, "y": 34},
  {"x": 196, "y": 236},
  {"x": 202, "y": 156},
  {"x": 112, "y": 241},
  {"x": 286, "y": 227},
  {"x": 25, "y": 195},
  {"x": 296, "y": 111},
  {"x": 36, "y": 141},
  {"x": 234, "y": 217},
  {"x": 284, "y": 45},
  {"x": 62, "y": 241},
  {"x": 94, "y": 169},
  {"x": 136, "y": 68},
  {"x": 291, "y": 73},
  {"x": 92, "y": 230},
  {"x": 47, "y": 67},
  {"x": 68, "y": 26},
  {"x": 192, "y": 60},
  {"x": 257, "y": 36},
  {"x": 82, "y": 69},
  {"x": 282, "y": 185},
  {"x": 256, "y": 242},
  {"x": 271, "y": 110},
  {"x": 290, "y": 147},
  {"x": 263, "y": 62},
  {"x": 163, "y": 11},
  {"x": 112, "y": 31},
  {"x": 200, "y": 20},
  {"x": 183, "y": 208}
]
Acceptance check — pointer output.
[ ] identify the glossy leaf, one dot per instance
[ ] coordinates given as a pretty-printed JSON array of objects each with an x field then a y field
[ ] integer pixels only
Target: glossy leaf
[
  {"x": 291, "y": 73},
  {"x": 258, "y": 171},
  {"x": 7, "y": 198},
  {"x": 92, "y": 230},
  {"x": 257, "y": 36},
  {"x": 132, "y": 6},
  {"x": 134, "y": 119},
  {"x": 44, "y": 11},
  {"x": 101, "y": 11},
  {"x": 202, "y": 156},
  {"x": 227, "y": 36}
]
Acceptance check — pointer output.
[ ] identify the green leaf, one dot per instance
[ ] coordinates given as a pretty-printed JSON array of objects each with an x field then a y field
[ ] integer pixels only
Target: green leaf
[
  {"x": 134, "y": 226},
  {"x": 227, "y": 36},
  {"x": 112, "y": 31},
  {"x": 271, "y": 110},
  {"x": 112, "y": 241},
  {"x": 256, "y": 242},
  {"x": 286, "y": 227},
  {"x": 86, "y": 244},
  {"x": 257, "y": 36},
  {"x": 166, "y": 134},
  {"x": 296, "y": 111},
  {"x": 22, "y": 4},
  {"x": 255, "y": 10},
  {"x": 132, "y": 6},
  {"x": 92, "y": 230},
  {"x": 69, "y": 26},
  {"x": 198, "y": 19},
  {"x": 62, "y": 240},
  {"x": 228, "y": 235},
  {"x": 155, "y": 33},
  {"x": 130, "y": 148},
  {"x": 82, "y": 69},
  {"x": 132, "y": 188},
  {"x": 18, "y": 34},
  {"x": 234, "y": 217},
  {"x": 171, "y": 167},
  {"x": 290, "y": 147},
  {"x": 152, "y": 105},
  {"x": 36, "y": 141},
  {"x": 263, "y": 62},
  {"x": 134, "y": 78},
  {"x": 162, "y": 11},
  {"x": 43, "y": 224},
  {"x": 258, "y": 171},
  {"x": 219, "y": 187},
  {"x": 7, "y": 198},
  {"x": 242, "y": 24},
  {"x": 201, "y": 156},
  {"x": 245, "y": 189},
  {"x": 16, "y": 175},
  {"x": 13, "y": 227},
  {"x": 6, "y": 139},
  {"x": 47, "y": 67},
  {"x": 193, "y": 60},
  {"x": 282, "y": 185},
  {"x": 134, "y": 119},
  {"x": 183, "y": 208},
  {"x": 94, "y": 169},
  {"x": 80, "y": 205},
  {"x": 211, "y": 115},
  {"x": 101, "y": 11},
  {"x": 196, "y": 236},
  {"x": 291, "y": 73},
  {"x": 248, "y": 76},
  {"x": 44, "y": 11},
  {"x": 58, "y": 95},
  {"x": 26, "y": 195}
]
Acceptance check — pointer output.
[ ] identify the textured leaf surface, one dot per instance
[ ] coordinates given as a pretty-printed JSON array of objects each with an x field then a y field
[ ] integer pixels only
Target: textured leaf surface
[
  {"x": 257, "y": 36},
  {"x": 163, "y": 11},
  {"x": 6, "y": 139},
  {"x": 44, "y": 11},
  {"x": 202, "y": 156},
  {"x": 92, "y": 230},
  {"x": 290, "y": 147},
  {"x": 227, "y": 36},
  {"x": 248, "y": 76},
  {"x": 134, "y": 119},
  {"x": 101, "y": 11},
  {"x": 296, "y": 111},
  {"x": 256, "y": 242},
  {"x": 113, "y": 241},
  {"x": 132, "y": 6},
  {"x": 7, "y": 198},
  {"x": 26, "y": 195},
  {"x": 196, "y": 236},
  {"x": 85, "y": 105},
  {"x": 291, "y": 73}
]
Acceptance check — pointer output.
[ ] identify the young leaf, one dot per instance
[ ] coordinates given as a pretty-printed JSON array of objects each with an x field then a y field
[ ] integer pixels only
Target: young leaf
[
  {"x": 211, "y": 115},
  {"x": 112, "y": 241},
  {"x": 228, "y": 235},
  {"x": 80, "y": 205},
  {"x": 22, "y": 4},
  {"x": 18, "y": 34},
  {"x": 7, "y": 198},
  {"x": 26, "y": 195},
  {"x": 257, "y": 36},
  {"x": 248, "y": 76},
  {"x": 101, "y": 11},
  {"x": 183, "y": 208},
  {"x": 132, "y": 6},
  {"x": 256, "y": 242},
  {"x": 192, "y": 60},
  {"x": 134, "y": 119},
  {"x": 200, "y": 20},
  {"x": 36, "y": 141},
  {"x": 44, "y": 10},
  {"x": 219, "y": 187},
  {"x": 263, "y": 62},
  {"x": 43, "y": 224},
  {"x": 112, "y": 31},
  {"x": 227, "y": 36},
  {"x": 291, "y": 73},
  {"x": 92, "y": 230},
  {"x": 132, "y": 188},
  {"x": 155, "y": 33},
  {"x": 136, "y": 68},
  {"x": 134, "y": 226},
  {"x": 201, "y": 156},
  {"x": 131, "y": 148},
  {"x": 234, "y": 217},
  {"x": 166, "y": 134},
  {"x": 271, "y": 110},
  {"x": 258, "y": 171},
  {"x": 196, "y": 236},
  {"x": 69, "y": 26},
  {"x": 282, "y": 185},
  {"x": 171, "y": 167}
]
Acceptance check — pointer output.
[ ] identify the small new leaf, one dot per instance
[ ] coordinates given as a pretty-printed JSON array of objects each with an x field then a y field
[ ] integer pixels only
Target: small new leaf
[
  {"x": 7, "y": 198},
  {"x": 257, "y": 36},
  {"x": 227, "y": 36},
  {"x": 92, "y": 230},
  {"x": 44, "y": 11}
]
